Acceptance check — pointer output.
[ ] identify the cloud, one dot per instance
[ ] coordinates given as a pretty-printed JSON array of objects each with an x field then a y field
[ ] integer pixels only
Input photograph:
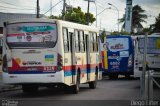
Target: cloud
[
  {"x": 108, "y": 17},
  {"x": 144, "y": 2}
]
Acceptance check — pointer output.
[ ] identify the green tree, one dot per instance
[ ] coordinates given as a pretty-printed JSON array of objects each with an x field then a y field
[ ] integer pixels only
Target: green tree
[
  {"x": 138, "y": 17},
  {"x": 119, "y": 33},
  {"x": 54, "y": 17},
  {"x": 76, "y": 15},
  {"x": 144, "y": 31},
  {"x": 103, "y": 33},
  {"x": 156, "y": 26}
]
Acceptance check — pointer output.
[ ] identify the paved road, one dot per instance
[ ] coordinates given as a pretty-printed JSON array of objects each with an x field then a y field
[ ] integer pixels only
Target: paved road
[{"x": 122, "y": 89}]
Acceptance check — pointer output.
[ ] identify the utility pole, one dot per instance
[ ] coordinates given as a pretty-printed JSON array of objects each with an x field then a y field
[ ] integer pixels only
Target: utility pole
[
  {"x": 88, "y": 13},
  {"x": 96, "y": 13},
  {"x": 143, "y": 79},
  {"x": 37, "y": 9},
  {"x": 128, "y": 17},
  {"x": 64, "y": 10}
]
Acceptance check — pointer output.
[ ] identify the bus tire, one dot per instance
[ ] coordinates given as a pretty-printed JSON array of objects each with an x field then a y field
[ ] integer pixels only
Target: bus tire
[
  {"x": 93, "y": 84},
  {"x": 75, "y": 88},
  {"x": 29, "y": 88}
]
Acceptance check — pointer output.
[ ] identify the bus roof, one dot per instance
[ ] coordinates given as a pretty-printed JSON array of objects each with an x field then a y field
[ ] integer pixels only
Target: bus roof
[
  {"x": 152, "y": 35},
  {"x": 63, "y": 23}
]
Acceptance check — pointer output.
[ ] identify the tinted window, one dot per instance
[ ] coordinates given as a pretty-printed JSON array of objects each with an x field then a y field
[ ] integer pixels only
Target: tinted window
[
  {"x": 82, "y": 42},
  {"x": 77, "y": 45},
  {"x": 31, "y": 35},
  {"x": 66, "y": 40},
  {"x": 153, "y": 45}
]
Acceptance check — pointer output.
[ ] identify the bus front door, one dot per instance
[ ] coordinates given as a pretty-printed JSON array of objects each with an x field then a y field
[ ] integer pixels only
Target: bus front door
[
  {"x": 88, "y": 56},
  {"x": 73, "y": 61}
]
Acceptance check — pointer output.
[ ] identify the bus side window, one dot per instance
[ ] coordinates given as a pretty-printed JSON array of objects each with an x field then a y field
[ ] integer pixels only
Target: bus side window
[
  {"x": 97, "y": 42},
  {"x": 82, "y": 45},
  {"x": 71, "y": 43},
  {"x": 66, "y": 40},
  {"x": 91, "y": 42},
  {"x": 77, "y": 45},
  {"x": 94, "y": 42}
]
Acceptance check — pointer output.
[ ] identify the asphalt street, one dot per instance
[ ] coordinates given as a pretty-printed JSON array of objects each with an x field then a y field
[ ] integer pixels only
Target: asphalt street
[{"x": 112, "y": 92}]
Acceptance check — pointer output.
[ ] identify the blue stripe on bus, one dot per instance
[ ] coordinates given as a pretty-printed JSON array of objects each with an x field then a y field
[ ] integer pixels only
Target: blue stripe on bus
[{"x": 69, "y": 73}]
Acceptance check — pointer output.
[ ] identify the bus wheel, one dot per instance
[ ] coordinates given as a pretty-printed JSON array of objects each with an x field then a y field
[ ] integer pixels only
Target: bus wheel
[
  {"x": 93, "y": 84},
  {"x": 75, "y": 88},
  {"x": 29, "y": 88}
]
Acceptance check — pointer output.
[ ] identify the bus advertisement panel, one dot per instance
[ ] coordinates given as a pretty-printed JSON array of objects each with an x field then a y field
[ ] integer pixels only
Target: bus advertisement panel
[{"x": 119, "y": 55}]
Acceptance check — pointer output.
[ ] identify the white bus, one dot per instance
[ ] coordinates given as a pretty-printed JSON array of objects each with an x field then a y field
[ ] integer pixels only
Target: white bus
[
  {"x": 50, "y": 52},
  {"x": 153, "y": 53}
]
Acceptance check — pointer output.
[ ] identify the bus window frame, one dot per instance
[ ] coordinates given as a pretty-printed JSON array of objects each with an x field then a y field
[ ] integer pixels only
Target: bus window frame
[
  {"x": 28, "y": 45},
  {"x": 141, "y": 50},
  {"x": 82, "y": 41},
  {"x": 68, "y": 40},
  {"x": 77, "y": 50}
]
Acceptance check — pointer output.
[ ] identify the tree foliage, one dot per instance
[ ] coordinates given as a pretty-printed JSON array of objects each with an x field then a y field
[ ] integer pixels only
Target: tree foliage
[
  {"x": 76, "y": 15},
  {"x": 120, "y": 33},
  {"x": 138, "y": 17},
  {"x": 156, "y": 26},
  {"x": 103, "y": 34}
]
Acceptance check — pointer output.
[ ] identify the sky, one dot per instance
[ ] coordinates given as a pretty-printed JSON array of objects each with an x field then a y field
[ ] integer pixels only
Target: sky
[{"x": 106, "y": 20}]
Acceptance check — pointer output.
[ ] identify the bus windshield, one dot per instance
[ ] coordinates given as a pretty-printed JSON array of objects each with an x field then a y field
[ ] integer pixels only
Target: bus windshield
[
  {"x": 118, "y": 44},
  {"x": 31, "y": 35},
  {"x": 153, "y": 45}
]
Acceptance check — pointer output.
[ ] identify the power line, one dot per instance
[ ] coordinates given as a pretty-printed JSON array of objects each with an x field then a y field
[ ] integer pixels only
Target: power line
[
  {"x": 14, "y": 8},
  {"x": 15, "y": 5},
  {"x": 100, "y": 5},
  {"x": 52, "y": 7}
]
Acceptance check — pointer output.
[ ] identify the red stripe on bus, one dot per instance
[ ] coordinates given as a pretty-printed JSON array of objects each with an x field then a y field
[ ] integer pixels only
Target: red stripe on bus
[
  {"x": 65, "y": 68},
  {"x": 68, "y": 68},
  {"x": 20, "y": 34},
  {"x": 103, "y": 62}
]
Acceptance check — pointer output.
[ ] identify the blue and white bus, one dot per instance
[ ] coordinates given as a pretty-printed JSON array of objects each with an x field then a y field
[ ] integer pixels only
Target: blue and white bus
[
  {"x": 153, "y": 53},
  {"x": 117, "y": 56}
]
